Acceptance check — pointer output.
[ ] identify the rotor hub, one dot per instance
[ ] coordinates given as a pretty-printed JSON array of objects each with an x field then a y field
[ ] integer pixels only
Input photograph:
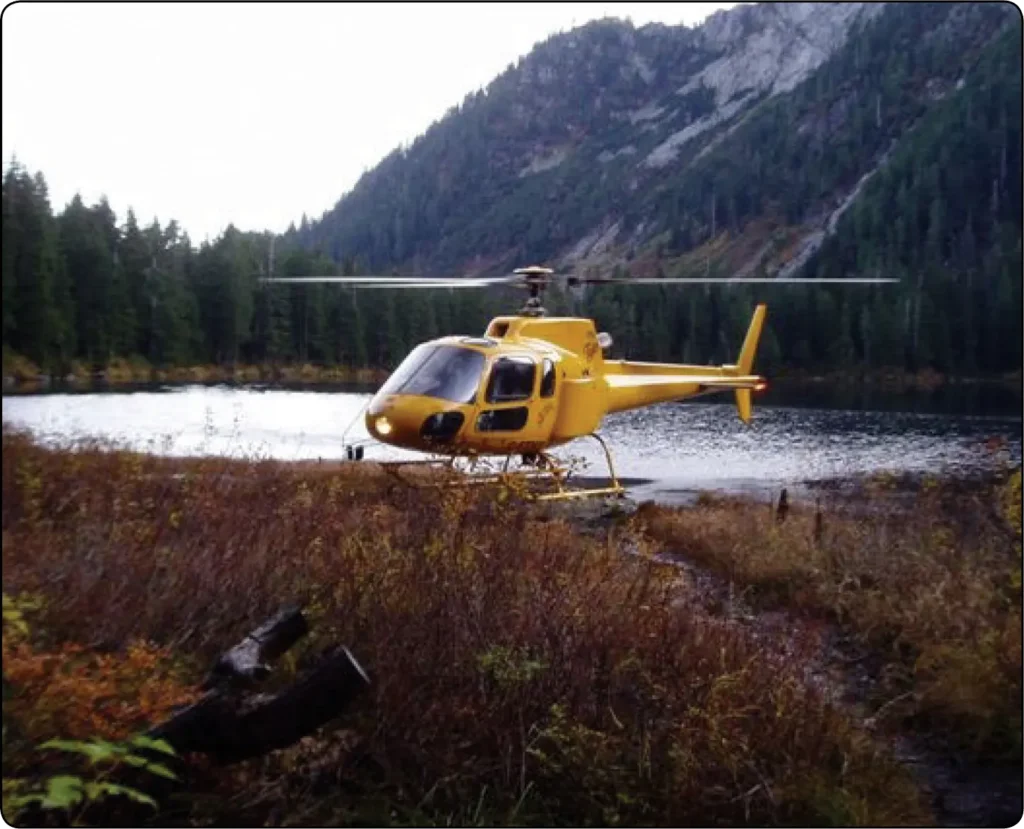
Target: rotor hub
[{"x": 535, "y": 279}]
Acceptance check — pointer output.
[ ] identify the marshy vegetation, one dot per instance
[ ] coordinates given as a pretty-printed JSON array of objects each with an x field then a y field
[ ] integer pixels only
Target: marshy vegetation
[
  {"x": 523, "y": 671},
  {"x": 924, "y": 593}
]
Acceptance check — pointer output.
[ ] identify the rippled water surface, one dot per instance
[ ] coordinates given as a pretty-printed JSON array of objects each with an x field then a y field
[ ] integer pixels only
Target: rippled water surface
[{"x": 672, "y": 448}]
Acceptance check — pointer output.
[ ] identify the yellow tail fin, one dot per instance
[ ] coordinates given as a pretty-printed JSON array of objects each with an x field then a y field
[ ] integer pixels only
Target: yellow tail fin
[{"x": 746, "y": 361}]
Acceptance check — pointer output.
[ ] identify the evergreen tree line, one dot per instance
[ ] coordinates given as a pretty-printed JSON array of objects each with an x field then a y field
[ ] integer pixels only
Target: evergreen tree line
[{"x": 80, "y": 287}]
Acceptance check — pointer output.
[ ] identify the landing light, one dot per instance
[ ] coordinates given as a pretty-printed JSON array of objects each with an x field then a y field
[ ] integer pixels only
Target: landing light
[
  {"x": 383, "y": 426},
  {"x": 760, "y": 386}
]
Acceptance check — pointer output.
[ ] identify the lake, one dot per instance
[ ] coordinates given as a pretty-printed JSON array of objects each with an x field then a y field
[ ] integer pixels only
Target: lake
[{"x": 670, "y": 451}]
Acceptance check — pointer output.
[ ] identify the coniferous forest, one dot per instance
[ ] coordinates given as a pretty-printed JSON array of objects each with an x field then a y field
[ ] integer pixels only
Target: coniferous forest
[{"x": 941, "y": 212}]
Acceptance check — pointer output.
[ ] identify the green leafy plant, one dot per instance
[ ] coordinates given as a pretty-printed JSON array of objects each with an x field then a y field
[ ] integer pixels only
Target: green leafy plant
[
  {"x": 509, "y": 666},
  {"x": 14, "y": 610},
  {"x": 73, "y": 793}
]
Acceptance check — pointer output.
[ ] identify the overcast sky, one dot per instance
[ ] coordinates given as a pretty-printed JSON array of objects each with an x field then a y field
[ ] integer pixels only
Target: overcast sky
[{"x": 251, "y": 114}]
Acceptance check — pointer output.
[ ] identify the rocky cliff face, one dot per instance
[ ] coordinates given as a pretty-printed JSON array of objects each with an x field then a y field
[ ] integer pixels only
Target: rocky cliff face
[
  {"x": 764, "y": 50},
  {"x": 774, "y": 46}
]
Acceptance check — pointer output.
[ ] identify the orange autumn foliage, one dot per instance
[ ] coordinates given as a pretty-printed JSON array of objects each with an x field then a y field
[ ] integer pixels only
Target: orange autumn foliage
[{"x": 80, "y": 694}]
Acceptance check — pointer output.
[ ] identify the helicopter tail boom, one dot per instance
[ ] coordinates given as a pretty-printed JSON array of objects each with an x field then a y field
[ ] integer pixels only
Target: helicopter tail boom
[{"x": 631, "y": 385}]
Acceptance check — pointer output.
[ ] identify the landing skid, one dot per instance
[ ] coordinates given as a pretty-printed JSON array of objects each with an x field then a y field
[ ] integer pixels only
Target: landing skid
[
  {"x": 542, "y": 472},
  {"x": 394, "y": 469},
  {"x": 563, "y": 493}
]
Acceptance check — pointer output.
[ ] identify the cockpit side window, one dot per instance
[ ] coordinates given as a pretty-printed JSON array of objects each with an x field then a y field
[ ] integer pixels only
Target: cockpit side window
[
  {"x": 547, "y": 381},
  {"x": 512, "y": 379}
]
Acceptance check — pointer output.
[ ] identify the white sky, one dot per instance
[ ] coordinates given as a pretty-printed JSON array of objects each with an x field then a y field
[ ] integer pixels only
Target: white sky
[{"x": 251, "y": 114}]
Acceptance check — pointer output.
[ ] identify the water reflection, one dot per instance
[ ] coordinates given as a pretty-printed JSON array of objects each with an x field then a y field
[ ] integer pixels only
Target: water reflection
[
  {"x": 955, "y": 398},
  {"x": 690, "y": 446}
]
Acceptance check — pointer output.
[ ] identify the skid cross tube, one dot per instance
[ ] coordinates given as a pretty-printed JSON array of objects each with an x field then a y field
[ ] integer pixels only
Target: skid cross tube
[
  {"x": 545, "y": 468},
  {"x": 564, "y": 494}
]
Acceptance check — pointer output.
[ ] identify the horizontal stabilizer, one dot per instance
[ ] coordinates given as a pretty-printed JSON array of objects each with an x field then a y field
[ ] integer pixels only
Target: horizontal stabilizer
[{"x": 625, "y": 381}]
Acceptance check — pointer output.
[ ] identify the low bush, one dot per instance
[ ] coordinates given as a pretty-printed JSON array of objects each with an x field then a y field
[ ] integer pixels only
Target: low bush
[{"x": 522, "y": 672}]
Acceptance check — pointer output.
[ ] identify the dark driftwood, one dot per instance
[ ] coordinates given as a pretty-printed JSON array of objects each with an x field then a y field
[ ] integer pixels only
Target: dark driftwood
[
  {"x": 247, "y": 661},
  {"x": 231, "y": 723}
]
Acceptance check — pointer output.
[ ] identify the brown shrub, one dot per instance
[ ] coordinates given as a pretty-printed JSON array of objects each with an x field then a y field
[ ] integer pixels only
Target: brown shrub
[
  {"x": 931, "y": 587},
  {"x": 522, "y": 671}
]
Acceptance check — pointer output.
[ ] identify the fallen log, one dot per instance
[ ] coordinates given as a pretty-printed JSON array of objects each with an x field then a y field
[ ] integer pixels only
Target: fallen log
[
  {"x": 232, "y": 723},
  {"x": 247, "y": 661}
]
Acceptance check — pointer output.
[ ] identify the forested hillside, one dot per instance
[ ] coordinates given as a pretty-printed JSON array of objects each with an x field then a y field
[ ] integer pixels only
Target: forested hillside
[{"x": 792, "y": 139}]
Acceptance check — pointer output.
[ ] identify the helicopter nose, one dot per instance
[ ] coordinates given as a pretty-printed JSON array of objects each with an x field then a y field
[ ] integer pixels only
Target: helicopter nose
[
  {"x": 392, "y": 422},
  {"x": 415, "y": 422}
]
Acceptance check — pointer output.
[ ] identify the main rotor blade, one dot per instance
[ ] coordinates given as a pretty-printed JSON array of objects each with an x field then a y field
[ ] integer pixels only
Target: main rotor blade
[
  {"x": 697, "y": 280},
  {"x": 435, "y": 283},
  {"x": 397, "y": 281}
]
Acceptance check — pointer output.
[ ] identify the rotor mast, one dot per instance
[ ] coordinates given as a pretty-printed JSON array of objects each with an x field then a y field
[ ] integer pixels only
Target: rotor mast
[{"x": 536, "y": 280}]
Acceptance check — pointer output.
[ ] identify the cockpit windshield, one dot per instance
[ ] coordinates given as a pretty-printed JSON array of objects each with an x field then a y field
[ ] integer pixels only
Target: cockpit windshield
[{"x": 445, "y": 371}]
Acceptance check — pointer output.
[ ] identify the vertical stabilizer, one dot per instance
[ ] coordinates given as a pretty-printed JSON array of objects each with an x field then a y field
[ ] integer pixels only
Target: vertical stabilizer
[{"x": 746, "y": 361}]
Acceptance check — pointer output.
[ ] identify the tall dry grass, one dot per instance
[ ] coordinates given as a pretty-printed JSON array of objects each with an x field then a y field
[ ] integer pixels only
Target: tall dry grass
[
  {"x": 522, "y": 672},
  {"x": 929, "y": 588}
]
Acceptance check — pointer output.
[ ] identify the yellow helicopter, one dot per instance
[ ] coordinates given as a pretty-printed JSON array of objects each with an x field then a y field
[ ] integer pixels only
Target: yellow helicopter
[{"x": 534, "y": 382}]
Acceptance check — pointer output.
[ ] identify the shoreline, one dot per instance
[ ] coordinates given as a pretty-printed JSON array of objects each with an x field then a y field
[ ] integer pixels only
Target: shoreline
[
  {"x": 21, "y": 376},
  {"x": 127, "y": 377},
  {"x": 855, "y": 489}
]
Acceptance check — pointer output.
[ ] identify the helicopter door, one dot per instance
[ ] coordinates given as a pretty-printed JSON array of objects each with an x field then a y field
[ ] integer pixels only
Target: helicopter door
[{"x": 512, "y": 380}]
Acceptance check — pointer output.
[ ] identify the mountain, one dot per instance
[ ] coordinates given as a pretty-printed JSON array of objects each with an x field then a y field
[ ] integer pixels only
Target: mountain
[
  {"x": 603, "y": 138},
  {"x": 790, "y": 139}
]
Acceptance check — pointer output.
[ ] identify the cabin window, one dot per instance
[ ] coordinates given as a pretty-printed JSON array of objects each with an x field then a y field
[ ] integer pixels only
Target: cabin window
[
  {"x": 511, "y": 379},
  {"x": 547, "y": 381},
  {"x": 503, "y": 420}
]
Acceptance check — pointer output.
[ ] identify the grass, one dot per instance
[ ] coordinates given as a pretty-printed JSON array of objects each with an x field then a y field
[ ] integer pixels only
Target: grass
[
  {"x": 523, "y": 672},
  {"x": 929, "y": 591}
]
